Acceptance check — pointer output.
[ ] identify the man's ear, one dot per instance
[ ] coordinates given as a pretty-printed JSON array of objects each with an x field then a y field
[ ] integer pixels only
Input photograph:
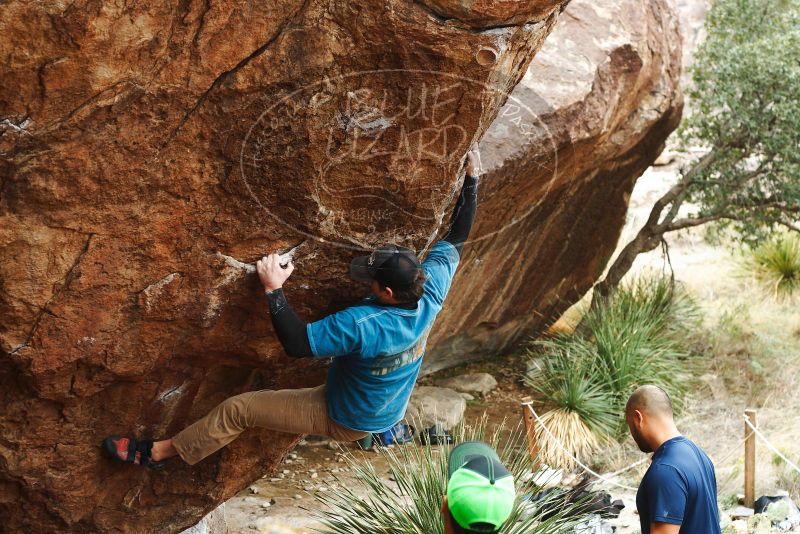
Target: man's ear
[
  {"x": 638, "y": 416},
  {"x": 389, "y": 292}
]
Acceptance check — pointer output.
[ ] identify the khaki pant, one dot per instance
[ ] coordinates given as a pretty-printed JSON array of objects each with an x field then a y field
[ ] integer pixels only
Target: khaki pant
[{"x": 294, "y": 411}]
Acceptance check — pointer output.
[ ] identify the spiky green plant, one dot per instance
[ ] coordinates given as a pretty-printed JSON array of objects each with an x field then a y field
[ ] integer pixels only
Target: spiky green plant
[
  {"x": 636, "y": 336},
  {"x": 566, "y": 380},
  {"x": 410, "y": 502},
  {"x": 640, "y": 335},
  {"x": 777, "y": 262}
]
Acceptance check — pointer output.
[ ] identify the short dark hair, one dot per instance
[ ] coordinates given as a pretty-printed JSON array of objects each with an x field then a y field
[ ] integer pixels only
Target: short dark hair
[{"x": 412, "y": 293}]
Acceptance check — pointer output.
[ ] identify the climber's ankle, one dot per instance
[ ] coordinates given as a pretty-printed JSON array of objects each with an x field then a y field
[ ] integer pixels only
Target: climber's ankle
[{"x": 163, "y": 450}]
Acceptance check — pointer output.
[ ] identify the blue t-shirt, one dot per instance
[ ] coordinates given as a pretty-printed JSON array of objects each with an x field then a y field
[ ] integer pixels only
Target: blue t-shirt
[
  {"x": 378, "y": 350},
  {"x": 680, "y": 488}
]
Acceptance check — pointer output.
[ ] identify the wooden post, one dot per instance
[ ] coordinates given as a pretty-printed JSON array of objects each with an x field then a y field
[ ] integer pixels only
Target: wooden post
[
  {"x": 530, "y": 430},
  {"x": 750, "y": 459}
]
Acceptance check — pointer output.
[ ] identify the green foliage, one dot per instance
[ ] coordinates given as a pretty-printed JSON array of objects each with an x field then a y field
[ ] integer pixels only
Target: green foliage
[
  {"x": 640, "y": 337},
  {"x": 745, "y": 94},
  {"x": 412, "y": 503},
  {"x": 565, "y": 381},
  {"x": 635, "y": 336},
  {"x": 785, "y": 477},
  {"x": 777, "y": 262},
  {"x": 726, "y": 501}
]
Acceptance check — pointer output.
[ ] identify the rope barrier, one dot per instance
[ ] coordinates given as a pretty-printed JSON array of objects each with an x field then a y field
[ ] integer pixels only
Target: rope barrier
[
  {"x": 769, "y": 445},
  {"x": 637, "y": 463},
  {"x": 733, "y": 450},
  {"x": 607, "y": 478},
  {"x": 736, "y": 448},
  {"x": 568, "y": 453}
]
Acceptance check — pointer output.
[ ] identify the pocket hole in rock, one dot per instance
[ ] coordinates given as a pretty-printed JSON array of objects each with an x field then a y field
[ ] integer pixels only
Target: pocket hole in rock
[{"x": 486, "y": 57}]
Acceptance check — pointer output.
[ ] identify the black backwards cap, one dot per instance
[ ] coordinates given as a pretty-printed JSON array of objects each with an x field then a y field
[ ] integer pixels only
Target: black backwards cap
[{"x": 391, "y": 265}]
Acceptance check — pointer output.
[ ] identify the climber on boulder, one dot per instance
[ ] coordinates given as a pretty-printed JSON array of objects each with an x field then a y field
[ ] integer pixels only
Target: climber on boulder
[{"x": 376, "y": 346}]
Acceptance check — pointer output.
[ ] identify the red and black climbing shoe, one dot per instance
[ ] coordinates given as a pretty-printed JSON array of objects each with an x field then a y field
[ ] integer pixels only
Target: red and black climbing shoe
[{"x": 131, "y": 451}]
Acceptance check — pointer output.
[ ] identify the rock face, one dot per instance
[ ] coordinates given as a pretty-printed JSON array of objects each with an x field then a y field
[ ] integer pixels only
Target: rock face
[
  {"x": 149, "y": 153},
  {"x": 478, "y": 383},
  {"x": 590, "y": 115},
  {"x": 430, "y": 405}
]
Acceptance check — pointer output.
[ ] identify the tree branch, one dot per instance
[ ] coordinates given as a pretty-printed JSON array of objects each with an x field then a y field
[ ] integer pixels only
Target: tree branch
[
  {"x": 790, "y": 225},
  {"x": 673, "y": 209},
  {"x": 721, "y": 213},
  {"x": 677, "y": 194},
  {"x": 690, "y": 223}
]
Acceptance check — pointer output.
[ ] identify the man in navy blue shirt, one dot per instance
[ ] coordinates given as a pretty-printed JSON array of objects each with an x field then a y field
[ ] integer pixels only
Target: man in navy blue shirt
[
  {"x": 678, "y": 494},
  {"x": 376, "y": 346}
]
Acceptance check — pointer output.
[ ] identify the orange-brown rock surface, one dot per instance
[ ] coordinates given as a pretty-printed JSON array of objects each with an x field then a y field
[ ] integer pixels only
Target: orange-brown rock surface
[{"x": 150, "y": 152}]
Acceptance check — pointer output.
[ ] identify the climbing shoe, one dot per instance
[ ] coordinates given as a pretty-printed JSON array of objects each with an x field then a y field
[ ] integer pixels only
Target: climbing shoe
[{"x": 130, "y": 451}]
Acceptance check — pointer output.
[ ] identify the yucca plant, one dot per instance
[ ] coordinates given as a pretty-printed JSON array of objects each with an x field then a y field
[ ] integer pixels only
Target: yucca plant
[
  {"x": 410, "y": 502},
  {"x": 641, "y": 336},
  {"x": 566, "y": 437},
  {"x": 567, "y": 379},
  {"x": 637, "y": 335},
  {"x": 582, "y": 408},
  {"x": 777, "y": 262}
]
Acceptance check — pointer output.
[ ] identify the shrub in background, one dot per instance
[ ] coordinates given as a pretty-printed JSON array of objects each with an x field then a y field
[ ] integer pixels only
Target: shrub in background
[
  {"x": 777, "y": 263},
  {"x": 786, "y": 478},
  {"x": 639, "y": 335}
]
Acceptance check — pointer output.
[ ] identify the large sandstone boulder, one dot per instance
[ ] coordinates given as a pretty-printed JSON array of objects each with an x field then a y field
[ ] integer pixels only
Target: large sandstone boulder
[
  {"x": 604, "y": 95},
  {"x": 149, "y": 153}
]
